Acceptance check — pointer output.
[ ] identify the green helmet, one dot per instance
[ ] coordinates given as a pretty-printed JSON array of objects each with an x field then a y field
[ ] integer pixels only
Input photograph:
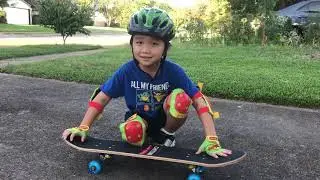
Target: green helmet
[{"x": 152, "y": 21}]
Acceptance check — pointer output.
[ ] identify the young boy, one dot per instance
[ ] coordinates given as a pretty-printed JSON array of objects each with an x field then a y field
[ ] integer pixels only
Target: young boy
[{"x": 157, "y": 92}]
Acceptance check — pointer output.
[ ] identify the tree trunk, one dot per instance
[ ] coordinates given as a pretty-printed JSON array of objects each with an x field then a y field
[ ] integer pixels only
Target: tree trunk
[
  {"x": 64, "y": 39},
  {"x": 264, "y": 37}
]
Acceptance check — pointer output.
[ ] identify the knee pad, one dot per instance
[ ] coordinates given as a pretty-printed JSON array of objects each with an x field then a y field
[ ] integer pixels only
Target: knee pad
[
  {"x": 178, "y": 103},
  {"x": 133, "y": 130}
]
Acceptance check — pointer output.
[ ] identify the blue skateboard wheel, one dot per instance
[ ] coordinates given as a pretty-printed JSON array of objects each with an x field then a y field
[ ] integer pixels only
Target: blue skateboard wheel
[
  {"x": 194, "y": 176},
  {"x": 94, "y": 167}
]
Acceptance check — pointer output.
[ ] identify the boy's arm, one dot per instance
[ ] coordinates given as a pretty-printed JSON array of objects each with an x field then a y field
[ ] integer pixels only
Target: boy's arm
[
  {"x": 211, "y": 144},
  {"x": 91, "y": 114},
  {"x": 206, "y": 118},
  {"x": 95, "y": 108},
  {"x": 208, "y": 124}
]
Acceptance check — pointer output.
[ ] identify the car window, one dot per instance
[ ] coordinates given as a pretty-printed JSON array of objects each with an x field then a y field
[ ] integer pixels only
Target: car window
[{"x": 312, "y": 6}]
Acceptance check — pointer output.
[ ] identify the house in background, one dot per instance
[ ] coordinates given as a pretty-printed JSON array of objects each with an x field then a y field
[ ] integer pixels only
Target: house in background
[
  {"x": 18, "y": 12},
  {"x": 99, "y": 19}
]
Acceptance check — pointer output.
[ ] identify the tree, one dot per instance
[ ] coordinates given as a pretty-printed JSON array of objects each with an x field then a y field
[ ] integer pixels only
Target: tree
[
  {"x": 86, "y": 2},
  {"x": 110, "y": 9},
  {"x": 34, "y": 3},
  {"x": 65, "y": 17},
  {"x": 217, "y": 15},
  {"x": 265, "y": 10},
  {"x": 120, "y": 10},
  {"x": 255, "y": 10},
  {"x": 3, "y": 19},
  {"x": 3, "y": 3},
  {"x": 179, "y": 18}
]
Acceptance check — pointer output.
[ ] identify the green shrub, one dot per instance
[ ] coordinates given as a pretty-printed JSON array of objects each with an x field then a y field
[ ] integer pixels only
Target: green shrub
[
  {"x": 196, "y": 29},
  {"x": 3, "y": 18},
  {"x": 240, "y": 30},
  {"x": 278, "y": 27},
  {"x": 291, "y": 39},
  {"x": 312, "y": 32}
]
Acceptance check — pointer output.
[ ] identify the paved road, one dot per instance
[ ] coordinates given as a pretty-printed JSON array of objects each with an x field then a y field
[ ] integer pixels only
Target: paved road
[
  {"x": 103, "y": 39},
  {"x": 281, "y": 142}
]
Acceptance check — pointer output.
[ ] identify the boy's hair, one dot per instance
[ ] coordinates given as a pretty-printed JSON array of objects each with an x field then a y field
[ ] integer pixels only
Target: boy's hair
[{"x": 153, "y": 22}]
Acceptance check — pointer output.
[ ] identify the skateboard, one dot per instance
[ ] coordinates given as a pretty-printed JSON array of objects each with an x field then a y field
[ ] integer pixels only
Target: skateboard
[{"x": 196, "y": 163}]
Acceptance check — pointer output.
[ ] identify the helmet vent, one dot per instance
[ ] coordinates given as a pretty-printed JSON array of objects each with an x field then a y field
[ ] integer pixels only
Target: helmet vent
[
  {"x": 135, "y": 19},
  {"x": 163, "y": 24},
  {"x": 155, "y": 20},
  {"x": 144, "y": 18}
]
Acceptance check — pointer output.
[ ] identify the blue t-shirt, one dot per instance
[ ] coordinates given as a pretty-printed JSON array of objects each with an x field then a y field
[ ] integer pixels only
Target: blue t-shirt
[{"x": 144, "y": 94}]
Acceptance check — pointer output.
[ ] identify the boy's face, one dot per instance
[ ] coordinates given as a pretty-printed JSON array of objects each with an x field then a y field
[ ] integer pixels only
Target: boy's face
[{"x": 147, "y": 50}]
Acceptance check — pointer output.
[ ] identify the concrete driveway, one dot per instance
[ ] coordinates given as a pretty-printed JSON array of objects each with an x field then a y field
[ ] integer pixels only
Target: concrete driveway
[
  {"x": 281, "y": 142},
  {"x": 103, "y": 39}
]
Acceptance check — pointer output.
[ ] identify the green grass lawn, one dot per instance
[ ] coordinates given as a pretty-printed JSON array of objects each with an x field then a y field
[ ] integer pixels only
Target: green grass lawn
[
  {"x": 33, "y": 50},
  {"x": 11, "y": 28},
  {"x": 273, "y": 74}
]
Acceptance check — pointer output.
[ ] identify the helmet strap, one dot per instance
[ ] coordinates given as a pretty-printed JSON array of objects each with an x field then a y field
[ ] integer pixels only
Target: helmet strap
[{"x": 167, "y": 46}]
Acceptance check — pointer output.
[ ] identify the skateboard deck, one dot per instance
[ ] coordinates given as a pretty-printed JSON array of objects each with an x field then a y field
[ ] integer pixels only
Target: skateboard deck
[{"x": 156, "y": 152}]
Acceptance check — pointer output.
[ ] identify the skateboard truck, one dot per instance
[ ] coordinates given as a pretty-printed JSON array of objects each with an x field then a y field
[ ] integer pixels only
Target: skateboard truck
[
  {"x": 103, "y": 156},
  {"x": 196, "y": 169}
]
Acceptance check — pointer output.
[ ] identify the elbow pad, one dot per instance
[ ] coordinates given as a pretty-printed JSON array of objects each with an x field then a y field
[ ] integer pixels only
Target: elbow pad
[{"x": 203, "y": 105}]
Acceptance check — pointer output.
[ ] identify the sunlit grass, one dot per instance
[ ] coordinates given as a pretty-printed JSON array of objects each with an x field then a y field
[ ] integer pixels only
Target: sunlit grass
[
  {"x": 24, "y": 28},
  {"x": 34, "y": 50},
  {"x": 12, "y": 28},
  {"x": 273, "y": 74}
]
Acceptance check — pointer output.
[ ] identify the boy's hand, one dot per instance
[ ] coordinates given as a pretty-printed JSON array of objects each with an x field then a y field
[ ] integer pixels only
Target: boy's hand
[
  {"x": 212, "y": 147},
  {"x": 76, "y": 131}
]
